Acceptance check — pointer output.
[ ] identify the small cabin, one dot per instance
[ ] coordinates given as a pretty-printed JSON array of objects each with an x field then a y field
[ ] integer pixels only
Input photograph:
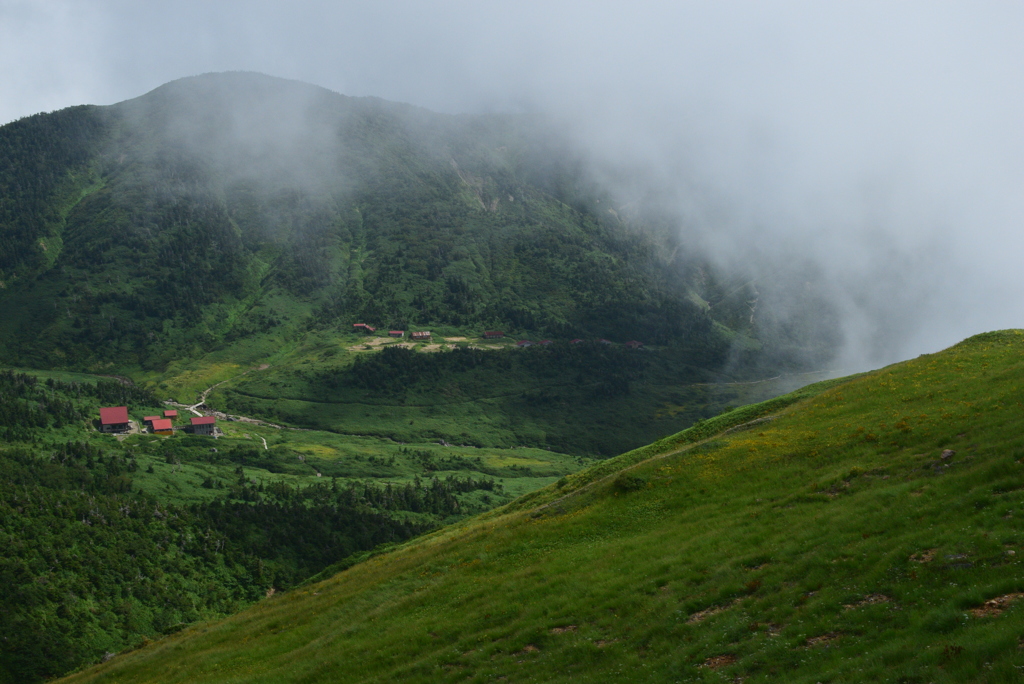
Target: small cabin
[
  {"x": 493, "y": 334},
  {"x": 576, "y": 341},
  {"x": 633, "y": 344},
  {"x": 524, "y": 343},
  {"x": 363, "y": 327},
  {"x": 148, "y": 420},
  {"x": 203, "y": 425},
  {"x": 546, "y": 343},
  {"x": 170, "y": 413},
  {"x": 421, "y": 335},
  {"x": 162, "y": 426},
  {"x": 604, "y": 341},
  {"x": 114, "y": 419},
  {"x": 396, "y": 333}
]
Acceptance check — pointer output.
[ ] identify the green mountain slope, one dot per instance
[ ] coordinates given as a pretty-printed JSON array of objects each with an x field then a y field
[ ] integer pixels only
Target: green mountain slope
[
  {"x": 221, "y": 206},
  {"x": 234, "y": 220},
  {"x": 858, "y": 530}
]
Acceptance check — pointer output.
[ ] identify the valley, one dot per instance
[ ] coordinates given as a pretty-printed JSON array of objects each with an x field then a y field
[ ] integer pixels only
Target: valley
[
  {"x": 862, "y": 529},
  {"x": 242, "y": 247}
]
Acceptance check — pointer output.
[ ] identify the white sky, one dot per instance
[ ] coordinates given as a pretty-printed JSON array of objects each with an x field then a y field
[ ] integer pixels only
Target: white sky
[{"x": 883, "y": 140}]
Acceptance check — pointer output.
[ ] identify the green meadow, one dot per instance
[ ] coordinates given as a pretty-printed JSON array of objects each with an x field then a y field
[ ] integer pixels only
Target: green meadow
[{"x": 861, "y": 530}]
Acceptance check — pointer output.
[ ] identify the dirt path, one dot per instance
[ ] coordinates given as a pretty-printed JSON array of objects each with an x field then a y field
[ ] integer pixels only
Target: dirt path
[{"x": 194, "y": 408}]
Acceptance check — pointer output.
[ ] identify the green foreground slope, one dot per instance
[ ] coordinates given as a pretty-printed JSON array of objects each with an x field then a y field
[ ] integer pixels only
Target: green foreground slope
[{"x": 868, "y": 531}]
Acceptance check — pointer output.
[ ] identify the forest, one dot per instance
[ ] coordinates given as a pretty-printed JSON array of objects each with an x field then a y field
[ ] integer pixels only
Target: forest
[{"x": 92, "y": 564}]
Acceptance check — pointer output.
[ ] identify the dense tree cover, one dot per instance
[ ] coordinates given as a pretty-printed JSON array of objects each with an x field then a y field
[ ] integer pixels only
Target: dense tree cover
[
  {"x": 43, "y": 160},
  {"x": 397, "y": 369},
  {"x": 89, "y": 566},
  {"x": 92, "y": 565},
  {"x": 28, "y": 404}
]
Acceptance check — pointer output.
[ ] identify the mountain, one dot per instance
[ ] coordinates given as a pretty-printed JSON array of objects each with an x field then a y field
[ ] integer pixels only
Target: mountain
[
  {"x": 228, "y": 221},
  {"x": 859, "y": 530},
  {"x": 222, "y": 206}
]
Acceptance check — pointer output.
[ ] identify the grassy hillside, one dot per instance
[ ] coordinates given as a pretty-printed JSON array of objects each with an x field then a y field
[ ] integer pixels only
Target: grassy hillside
[{"x": 864, "y": 530}]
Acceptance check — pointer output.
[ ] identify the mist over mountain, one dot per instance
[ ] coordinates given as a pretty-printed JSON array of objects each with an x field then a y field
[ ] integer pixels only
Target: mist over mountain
[
  {"x": 878, "y": 144},
  {"x": 223, "y": 205}
]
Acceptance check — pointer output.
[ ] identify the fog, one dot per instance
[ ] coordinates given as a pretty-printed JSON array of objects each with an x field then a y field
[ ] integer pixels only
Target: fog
[{"x": 877, "y": 144}]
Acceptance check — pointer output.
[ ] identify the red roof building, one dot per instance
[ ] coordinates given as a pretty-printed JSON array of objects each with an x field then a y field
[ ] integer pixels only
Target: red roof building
[
  {"x": 163, "y": 426},
  {"x": 114, "y": 419},
  {"x": 203, "y": 425},
  {"x": 545, "y": 342},
  {"x": 149, "y": 419},
  {"x": 524, "y": 343},
  {"x": 633, "y": 344},
  {"x": 396, "y": 333},
  {"x": 604, "y": 341},
  {"x": 493, "y": 334},
  {"x": 576, "y": 341},
  {"x": 364, "y": 327},
  {"x": 170, "y": 413},
  {"x": 421, "y": 335}
]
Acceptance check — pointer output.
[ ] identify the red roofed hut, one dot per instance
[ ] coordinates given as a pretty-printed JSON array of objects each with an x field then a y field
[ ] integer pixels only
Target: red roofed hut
[
  {"x": 546, "y": 342},
  {"x": 421, "y": 335},
  {"x": 203, "y": 425},
  {"x": 114, "y": 419},
  {"x": 364, "y": 327},
  {"x": 633, "y": 344},
  {"x": 163, "y": 426},
  {"x": 170, "y": 413},
  {"x": 524, "y": 343},
  {"x": 493, "y": 334},
  {"x": 148, "y": 420},
  {"x": 576, "y": 341},
  {"x": 396, "y": 333}
]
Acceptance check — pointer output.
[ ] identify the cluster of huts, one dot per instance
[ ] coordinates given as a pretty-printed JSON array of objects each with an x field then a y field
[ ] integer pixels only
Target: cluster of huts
[
  {"x": 114, "y": 419},
  {"x": 488, "y": 335},
  {"x": 417, "y": 335}
]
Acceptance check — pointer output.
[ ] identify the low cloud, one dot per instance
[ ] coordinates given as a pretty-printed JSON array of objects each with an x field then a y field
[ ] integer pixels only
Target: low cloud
[{"x": 878, "y": 144}]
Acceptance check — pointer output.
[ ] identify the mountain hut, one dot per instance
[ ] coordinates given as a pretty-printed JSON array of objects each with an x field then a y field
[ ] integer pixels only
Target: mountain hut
[
  {"x": 114, "y": 419},
  {"x": 203, "y": 425},
  {"x": 162, "y": 426}
]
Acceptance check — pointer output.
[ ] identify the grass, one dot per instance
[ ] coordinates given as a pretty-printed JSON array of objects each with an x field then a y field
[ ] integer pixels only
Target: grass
[
  {"x": 839, "y": 541},
  {"x": 174, "y": 468},
  {"x": 532, "y": 401}
]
